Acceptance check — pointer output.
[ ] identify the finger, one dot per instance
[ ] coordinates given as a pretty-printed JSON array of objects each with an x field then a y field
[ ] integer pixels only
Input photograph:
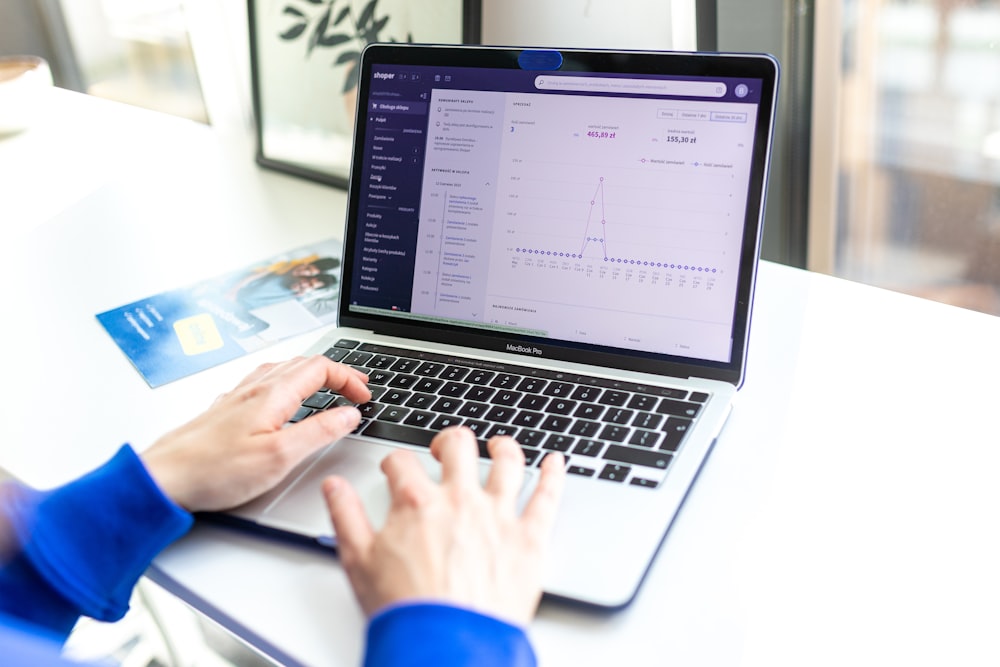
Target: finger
[
  {"x": 507, "y": 472},
  {"x": 253, "y": 377},
  {"x": 408, "y": 481},
  {"x": 345, "y": 380},
  {"x": 540, "y": 511},
  {"x": 303, "y": 376},
  {"x": 350, "y": 523},
  {"x": 458, "y": 452},
  {"x": 322, "y": 428}
]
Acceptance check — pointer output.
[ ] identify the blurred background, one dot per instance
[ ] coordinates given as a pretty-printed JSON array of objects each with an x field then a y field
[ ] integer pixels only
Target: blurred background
[{"x": 887, "y": 161}]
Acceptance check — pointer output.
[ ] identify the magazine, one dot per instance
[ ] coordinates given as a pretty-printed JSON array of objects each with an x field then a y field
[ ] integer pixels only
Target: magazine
[{"x": 177, "y": 333}]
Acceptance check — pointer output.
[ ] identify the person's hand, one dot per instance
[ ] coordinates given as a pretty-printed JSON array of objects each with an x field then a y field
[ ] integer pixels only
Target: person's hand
[
  {"x": 238, "y": 448},
  {"x": 456, "y": 541}
]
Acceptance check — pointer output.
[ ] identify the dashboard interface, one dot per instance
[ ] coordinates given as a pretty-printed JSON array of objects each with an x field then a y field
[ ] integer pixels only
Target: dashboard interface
[{"x": 597, "y": 209}]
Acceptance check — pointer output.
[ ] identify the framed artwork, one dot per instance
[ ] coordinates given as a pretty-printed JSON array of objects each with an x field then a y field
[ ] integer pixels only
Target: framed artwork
[{"x": 304, "y": 58}]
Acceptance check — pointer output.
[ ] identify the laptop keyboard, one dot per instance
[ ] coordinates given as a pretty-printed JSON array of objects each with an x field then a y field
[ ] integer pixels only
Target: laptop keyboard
[{"x": 618, "y": 432}]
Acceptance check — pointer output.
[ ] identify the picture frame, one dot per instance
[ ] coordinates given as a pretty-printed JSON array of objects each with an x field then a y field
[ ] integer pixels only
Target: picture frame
[{"x": 303, "y": 65}]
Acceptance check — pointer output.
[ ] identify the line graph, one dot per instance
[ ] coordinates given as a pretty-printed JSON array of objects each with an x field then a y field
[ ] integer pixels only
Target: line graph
[{"x": 594, "y": 234}]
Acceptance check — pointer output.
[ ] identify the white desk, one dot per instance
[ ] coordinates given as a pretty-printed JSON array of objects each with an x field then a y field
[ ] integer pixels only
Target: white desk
[{"x": 848, "y": 515}]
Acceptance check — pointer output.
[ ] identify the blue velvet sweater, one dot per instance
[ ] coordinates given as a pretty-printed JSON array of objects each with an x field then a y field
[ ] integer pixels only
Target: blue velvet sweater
[{"x": 79, "y": 549}]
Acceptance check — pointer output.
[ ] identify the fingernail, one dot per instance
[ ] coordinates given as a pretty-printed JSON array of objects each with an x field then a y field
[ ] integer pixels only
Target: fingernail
[
  {"x": 332, "y": 486},
  {"x": 350, "y": 416}
]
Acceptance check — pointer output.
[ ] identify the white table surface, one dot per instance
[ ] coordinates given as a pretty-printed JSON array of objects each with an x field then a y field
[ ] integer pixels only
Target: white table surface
[{"x": 848, "y": 514}]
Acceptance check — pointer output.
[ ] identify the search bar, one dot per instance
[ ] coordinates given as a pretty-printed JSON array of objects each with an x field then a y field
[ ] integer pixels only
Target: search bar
[{"x": 603, "y": 84}]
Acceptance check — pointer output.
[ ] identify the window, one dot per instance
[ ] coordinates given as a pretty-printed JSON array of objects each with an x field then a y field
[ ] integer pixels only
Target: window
[{"x": 906, "y": 147}]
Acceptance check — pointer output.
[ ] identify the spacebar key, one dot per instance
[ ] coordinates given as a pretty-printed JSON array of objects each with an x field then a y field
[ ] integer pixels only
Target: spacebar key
[{"x": 408, "y": 435}]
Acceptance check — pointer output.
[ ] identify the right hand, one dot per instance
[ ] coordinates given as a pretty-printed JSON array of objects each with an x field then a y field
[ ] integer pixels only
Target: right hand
[{"x": 455, "y": 542}]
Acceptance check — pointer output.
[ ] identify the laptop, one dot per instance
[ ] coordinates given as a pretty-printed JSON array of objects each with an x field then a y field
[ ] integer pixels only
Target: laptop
[{"x": 559, "y": 245}]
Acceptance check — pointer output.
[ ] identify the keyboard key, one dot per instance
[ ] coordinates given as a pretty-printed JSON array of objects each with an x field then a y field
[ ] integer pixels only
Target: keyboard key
[
  {"x": 531, "y": 438},
  {"x": 561, "y": 389},
  {"x": 585, "y": 428},
  {"x": 678, "y": 408},
  {"x": 358, "y": 358},
  {"x": 454, "y": 373},
  {"x": 381, "y": 361},
  {"x": 480, "y": 394},
  {"x": 580, "y": 470},
  {"x": 640, "y": 457},
  {"x": 376, "y": 392},
  {"x": 588, "y": 448},
  {"x": 674, "y": 430},
  {"x": 560, "y": 406},
  {"x": 336, "y": 353},
  {"x": 530, "y": 455},
  {"x": 380, "y": 377},
  {"x": 446, "y": 405},
  {"x": 585, "y": 393},
  {"x": 346, "y": 343},
  {"x": 454, "y": 389},
  {"x": 393, "y": 413},
  {"x": 642, "y": 402},
  {"x": 698, "y": 396},
  {"x": 618, "y": 416},
  {"x": 446, "y": 421},
  {"x": 410, "y": 435},
  {"x": 318, "y": 401},
  {"x": 615, "y": 473},
  {"x": 301, "y": 414},
  {"x": 614, "y": 433},
  {"x": 589, "y": 411},
  {"x": 505, "y": 381},
  {"x": 473, "y": 409},
  {"x": 428, "y": 385},
  {"x": 422, "y": 401},
  {"x": 477, "y": 426},
  {"x": 500, "y": 413},
  {"x": 395, "y": 396},
  {"x": 370, "y": 409},
  {"x": 405, "y": 365},
  {"x": 559, "y": 443},
  {"x": 613, "y": 397},
  {"x": 501, "y": 429},
  {"x": 646, "y": 483},
  {"x": 479, "y": 377},
  {"x": 506, "y": 397},
  {"x": 403, "y": 381},
  {"x": 647, "y": 420},
  {"x": 420, "y": 418},
  {"x": 642, "y": 438},
  {"x": 429, "y": 369},
  {"x": 556, "y": 423},
  {"x": 531, "y": 385},
  {"x": 528, "y": 418},
  {"x": 339, "y": 401},
  {"x": 533, "y": 402}
]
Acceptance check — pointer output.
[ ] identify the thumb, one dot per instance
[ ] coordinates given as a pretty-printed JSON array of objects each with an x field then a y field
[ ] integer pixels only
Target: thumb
[{"x": 350, "y": 523}]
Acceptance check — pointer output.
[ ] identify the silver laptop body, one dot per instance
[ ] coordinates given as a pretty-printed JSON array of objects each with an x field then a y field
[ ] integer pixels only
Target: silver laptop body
[{"x": 566, "y": 241}]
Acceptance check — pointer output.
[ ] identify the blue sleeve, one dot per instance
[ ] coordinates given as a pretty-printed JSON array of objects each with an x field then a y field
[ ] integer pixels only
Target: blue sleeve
[
  {"x": 83, "y": 546},
  {"x": 444, "y": 636}
]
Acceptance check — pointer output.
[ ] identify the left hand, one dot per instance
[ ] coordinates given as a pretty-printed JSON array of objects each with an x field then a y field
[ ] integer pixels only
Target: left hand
[{"x": 240, "y": 448}]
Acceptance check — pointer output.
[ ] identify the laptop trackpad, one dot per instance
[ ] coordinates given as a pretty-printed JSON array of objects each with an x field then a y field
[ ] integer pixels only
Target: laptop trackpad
[{"x": 301, "y": 509}]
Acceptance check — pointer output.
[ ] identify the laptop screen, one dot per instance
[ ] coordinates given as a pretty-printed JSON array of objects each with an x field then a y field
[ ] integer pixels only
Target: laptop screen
[{"x": 602, "y": 211}]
